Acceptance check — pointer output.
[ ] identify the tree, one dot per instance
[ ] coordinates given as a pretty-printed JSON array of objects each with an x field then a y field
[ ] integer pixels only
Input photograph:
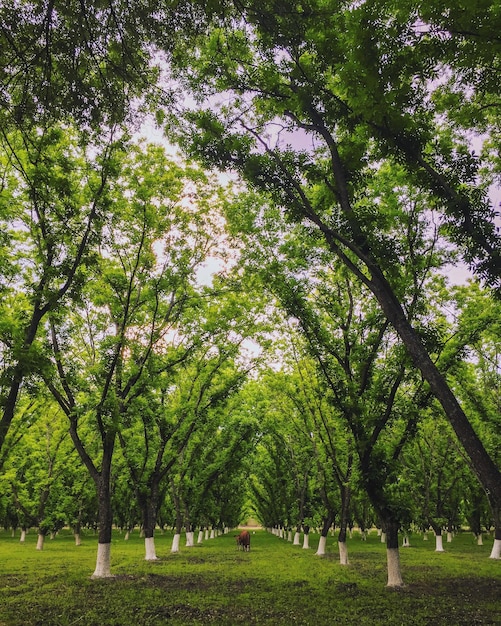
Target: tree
[
  {"x": 352, "y": 82},
  {"x": 131, "y": 306},
  {"x": 54, "y": 197},
  {"x": 36, "y": 470}
]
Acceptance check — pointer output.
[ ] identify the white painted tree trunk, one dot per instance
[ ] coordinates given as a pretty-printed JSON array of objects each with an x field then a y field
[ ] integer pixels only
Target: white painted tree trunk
[
  {"x": 13, "y": 533},
  {"x": 343, "y": 552},
  {"x": 496, "y": 549},
  {"x": 449, "y": 537},
  {"x": 40, "y": 541},
  {"x": 321, "y": 546},
  {"x": 405, "y": 542},
  {"x": 189, "y": 539},
  {"x": 425, "y": 537},
  {"x": 306, "y": 542},
  {"x": 206, "y": 533},
  {"x": 175, "y": 543},
  {"x": 127, "y": 535},
  {"x": 200, "y": 536},
  {"x": 78, "y": 539},
  {"x": 480, "y": 540},
  {"x": 296, "y": 539},
  {"x": 439, "y": 546},
  {"x": 22, "y": 539},
  {"x": 393, "y": 563},
  {"x": 149, "y": 547},
  {"x": 212, "y": 533},
  {"x": 103, "y": 561},
  {"x": 383, "y": 537},
  {"x": 289, "y": 535}
]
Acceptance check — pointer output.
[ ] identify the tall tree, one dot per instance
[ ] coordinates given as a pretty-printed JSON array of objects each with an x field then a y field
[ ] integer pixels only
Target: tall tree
[
  {"x": 353, "y": 82},
  {"x": 54, "y": 196},
  {"x": 131, "y": 306}
]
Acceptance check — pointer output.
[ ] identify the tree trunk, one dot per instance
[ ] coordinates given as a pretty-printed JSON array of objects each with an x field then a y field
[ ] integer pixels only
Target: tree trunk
[
  {"x": 321, "y": 546},
  {"x": 103, "y": 561},
  {"x": 341, "y": 541},
  {"x": 40, "y": 541},
  {"x": 439, "y": 546},
  {"x": 306, "y": 538},
  {"x": 175, "y": 542},
  {"x": 148, "y": 503},
  {"x": 393, "y": 556},
  {"x": 149, "y": 547},
  {"x": 496, "y": 548},
  {"x": 105, "y": 520}
]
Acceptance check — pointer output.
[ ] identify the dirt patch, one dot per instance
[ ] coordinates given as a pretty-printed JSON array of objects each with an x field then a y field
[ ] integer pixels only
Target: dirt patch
[{"x": 465, "y": 589}]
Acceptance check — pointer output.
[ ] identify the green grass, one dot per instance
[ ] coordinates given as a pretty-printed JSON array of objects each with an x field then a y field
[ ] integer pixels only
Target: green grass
[{"x": 276, "y": 583}]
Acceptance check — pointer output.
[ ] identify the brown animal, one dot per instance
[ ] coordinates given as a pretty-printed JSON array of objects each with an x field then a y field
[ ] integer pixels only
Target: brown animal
[{"x": 243, "y": 541}]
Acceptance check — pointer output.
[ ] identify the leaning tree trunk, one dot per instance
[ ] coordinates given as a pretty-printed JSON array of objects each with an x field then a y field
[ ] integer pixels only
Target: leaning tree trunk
[{"x": 328, "y": 521}]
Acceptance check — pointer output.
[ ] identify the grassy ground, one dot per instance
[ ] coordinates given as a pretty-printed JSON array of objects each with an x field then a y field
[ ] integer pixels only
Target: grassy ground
[{"x": 276, "y": 583}]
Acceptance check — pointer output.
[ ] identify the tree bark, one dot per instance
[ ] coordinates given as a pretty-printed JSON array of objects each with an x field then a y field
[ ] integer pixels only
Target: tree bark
[
  {"x": 393, "y": 556},
  {"x": 105, "y": 517},
  {"x": 321, "y": 546}
]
